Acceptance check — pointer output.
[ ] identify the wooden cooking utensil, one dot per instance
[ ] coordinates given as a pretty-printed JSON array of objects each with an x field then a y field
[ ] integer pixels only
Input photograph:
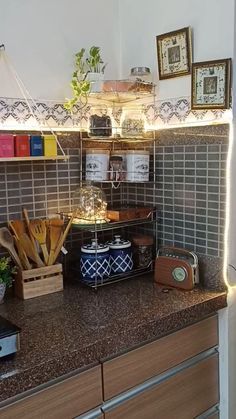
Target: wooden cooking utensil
[
  {"x": 62, "y": 239},
  {"x": 7, "y": 241},
  {"x": 29, "y": 249},
  {"x": 55, "y": 232},
  {"x": 23, "y": 258},
  {"x": 27, "y": 220},
  {"x": 18, "y": 228},
  {"x": 38, "y": 230}
]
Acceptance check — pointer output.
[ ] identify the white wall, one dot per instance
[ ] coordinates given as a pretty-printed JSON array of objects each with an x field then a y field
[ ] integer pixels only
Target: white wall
[
  {"x": 41, "y": 37},
  {"x": 141, "y": 21}
]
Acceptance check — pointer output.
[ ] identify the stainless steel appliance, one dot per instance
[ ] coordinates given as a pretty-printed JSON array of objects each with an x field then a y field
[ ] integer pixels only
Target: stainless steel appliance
[{"x": 9, "y": 337}]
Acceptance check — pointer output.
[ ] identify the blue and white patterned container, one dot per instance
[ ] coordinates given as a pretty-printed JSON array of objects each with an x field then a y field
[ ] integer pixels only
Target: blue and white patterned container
[
  {"x": 95, "y": 262},
  {"x": 121, "y": 255}
]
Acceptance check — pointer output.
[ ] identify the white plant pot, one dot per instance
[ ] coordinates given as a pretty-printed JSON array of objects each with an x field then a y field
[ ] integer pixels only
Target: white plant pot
[
  {"x": 2, "y": 292},
  {"x": 96, "y": 80}
]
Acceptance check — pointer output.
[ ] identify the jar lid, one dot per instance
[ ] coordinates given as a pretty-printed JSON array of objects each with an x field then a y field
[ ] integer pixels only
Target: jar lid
[
  {"x": 140, "y": 71},
  {"x": 143, "y": 240},
  {"x": 119, "y": 243},
  {"x": 94, "y": 247},
  {"x": 114, "y": 157}
]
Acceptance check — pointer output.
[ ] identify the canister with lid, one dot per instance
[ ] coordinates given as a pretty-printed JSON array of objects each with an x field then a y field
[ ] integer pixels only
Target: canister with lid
[
  {"x": 95, "y": 262},
  {"x": 121, "y": 154},
  {"x": 137, "y": 165},
  {"x": 143, "y": 251},
  {"x": 120, "y": 255},
  {"x": 97, "y": 164}
]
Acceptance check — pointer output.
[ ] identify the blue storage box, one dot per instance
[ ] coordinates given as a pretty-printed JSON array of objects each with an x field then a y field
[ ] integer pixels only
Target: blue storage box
[{"x": 36, "y": 145}]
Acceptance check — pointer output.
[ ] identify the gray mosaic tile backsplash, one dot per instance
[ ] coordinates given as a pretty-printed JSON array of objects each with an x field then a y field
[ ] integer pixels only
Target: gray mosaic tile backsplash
[
  {"x": 189, "y": 189},
  {"x": 190, "y": 195}
]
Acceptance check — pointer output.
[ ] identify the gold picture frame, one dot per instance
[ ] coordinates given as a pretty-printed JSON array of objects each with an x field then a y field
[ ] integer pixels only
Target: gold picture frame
[
  {"x": 174, "y": 53},
  {"x": 211, "y": 84}
]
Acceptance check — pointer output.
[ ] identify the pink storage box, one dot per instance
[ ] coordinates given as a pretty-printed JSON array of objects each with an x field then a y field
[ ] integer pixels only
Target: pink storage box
[{"x": 6, "y": 145}]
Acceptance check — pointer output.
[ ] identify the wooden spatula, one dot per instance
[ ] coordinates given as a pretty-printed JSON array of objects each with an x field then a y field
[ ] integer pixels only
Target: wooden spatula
[
  {"x": 7, "y": 241},
  {"x": 62, "y": 239},
  {"x": 27, "y": 220},
  {"x": 38, "y": 230},
  {"x": 21, "y": 253},
  {"x": 18, "y": 228},
  {"x": 29, "y": 249},
  {"x": 55, "y": 232}
]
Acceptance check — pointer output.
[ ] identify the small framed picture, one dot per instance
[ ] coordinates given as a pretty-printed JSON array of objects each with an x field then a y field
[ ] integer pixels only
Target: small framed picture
[
  {"x": 211, "y": 84},
  {"x": 174, "y": 53}
]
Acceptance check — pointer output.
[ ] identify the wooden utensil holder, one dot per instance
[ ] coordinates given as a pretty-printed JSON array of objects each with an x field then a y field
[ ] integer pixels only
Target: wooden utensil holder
[{"x": 39, "y": 281}]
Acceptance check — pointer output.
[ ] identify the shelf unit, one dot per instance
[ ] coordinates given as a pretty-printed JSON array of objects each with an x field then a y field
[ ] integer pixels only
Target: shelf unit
[
  {"x": 39, "y": 158},
  {"x": 112, "y": 143},
  {"x": 96, "y": 228}
]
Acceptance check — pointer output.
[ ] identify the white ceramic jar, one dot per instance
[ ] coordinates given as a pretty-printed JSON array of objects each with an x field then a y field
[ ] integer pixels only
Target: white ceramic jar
[
  {"x": 97, "y": 164},
  {"x": 137, "y": 165}
]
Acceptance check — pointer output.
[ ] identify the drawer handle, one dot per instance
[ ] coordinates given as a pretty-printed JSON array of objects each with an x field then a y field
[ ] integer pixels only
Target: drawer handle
[{"x": 0, "y": 347}]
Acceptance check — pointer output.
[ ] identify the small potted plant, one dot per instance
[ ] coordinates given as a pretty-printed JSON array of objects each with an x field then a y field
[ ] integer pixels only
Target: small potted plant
[
  {"x": 88, "y": 72},
  {"x": 96, "y": 69},
  {"x": 6, "y": 274}
]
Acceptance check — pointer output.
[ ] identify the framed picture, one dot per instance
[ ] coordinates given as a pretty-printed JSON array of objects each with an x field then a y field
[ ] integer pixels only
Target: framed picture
[
  {"x": 211, "y": 82},
  {"x": 174, "y": 53}
]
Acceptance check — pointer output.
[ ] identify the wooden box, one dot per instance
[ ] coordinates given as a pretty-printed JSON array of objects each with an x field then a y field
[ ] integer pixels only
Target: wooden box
[
  {"x": 132, "y": 213},
  {"x": 39, "y": 281}
]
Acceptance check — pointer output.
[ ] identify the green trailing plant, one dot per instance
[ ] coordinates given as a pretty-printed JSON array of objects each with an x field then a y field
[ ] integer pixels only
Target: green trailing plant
[
  {"x": 6, "y": 271},
  {"x": 80, "y": 84}
]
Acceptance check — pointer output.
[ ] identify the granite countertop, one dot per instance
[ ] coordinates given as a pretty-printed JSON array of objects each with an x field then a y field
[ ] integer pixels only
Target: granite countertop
[{"x": 79, "y": 327}]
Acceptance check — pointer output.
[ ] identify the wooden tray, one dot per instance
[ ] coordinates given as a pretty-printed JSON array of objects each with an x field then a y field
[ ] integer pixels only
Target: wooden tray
[
  {"x": 123, "y": 214},
  {"x": 39, "y": 281}
]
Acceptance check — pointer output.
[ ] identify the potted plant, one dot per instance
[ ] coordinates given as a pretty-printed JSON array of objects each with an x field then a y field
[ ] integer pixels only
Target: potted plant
[
  {"x": 6, "y": 274},
  {"x": 96, "y": 68},
  {"x": 87, "y": 72}
]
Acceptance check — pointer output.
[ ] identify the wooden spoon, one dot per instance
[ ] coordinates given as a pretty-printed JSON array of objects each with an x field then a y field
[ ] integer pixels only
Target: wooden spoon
[
  {"x": 29, "y": 249},
  {"x": 7, "y": 241},
  {"x": 55, "y": 231},
  {"x": 38, "y": 230}
]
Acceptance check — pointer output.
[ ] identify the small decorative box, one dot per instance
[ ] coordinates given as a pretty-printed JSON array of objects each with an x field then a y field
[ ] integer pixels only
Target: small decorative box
[
  {"x": 49, "y": 145},
  {"x": 22, "y": 146},
  {"x": 36, "y": 145},
  {"x": 6, "y": 145}
]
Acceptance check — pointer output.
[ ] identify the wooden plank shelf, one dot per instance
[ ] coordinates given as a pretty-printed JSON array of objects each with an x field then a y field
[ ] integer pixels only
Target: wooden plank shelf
[{"x": 32, "y": 158}]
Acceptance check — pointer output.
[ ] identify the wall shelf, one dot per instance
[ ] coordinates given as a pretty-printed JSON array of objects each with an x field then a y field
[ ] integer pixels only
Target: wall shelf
[{"x": 38, "y": 158}]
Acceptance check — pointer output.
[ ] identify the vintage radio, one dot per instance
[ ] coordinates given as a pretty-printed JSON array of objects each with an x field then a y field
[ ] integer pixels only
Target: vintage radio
[{"x": 175, "y": 267}]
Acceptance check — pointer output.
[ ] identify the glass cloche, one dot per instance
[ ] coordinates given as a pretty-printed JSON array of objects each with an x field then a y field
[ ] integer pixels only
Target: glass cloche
[{"x": 90, "y": 205}]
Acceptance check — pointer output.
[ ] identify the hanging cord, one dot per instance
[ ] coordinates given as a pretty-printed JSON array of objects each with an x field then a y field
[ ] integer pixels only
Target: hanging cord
[{"x": 24, "y": 91}]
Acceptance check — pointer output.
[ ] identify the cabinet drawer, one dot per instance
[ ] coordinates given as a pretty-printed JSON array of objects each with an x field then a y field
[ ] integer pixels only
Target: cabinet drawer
[
  {"x": 182, "y": 396},
  {"x": 134, "y": 367},
  {"x": 64, "y": 400}
]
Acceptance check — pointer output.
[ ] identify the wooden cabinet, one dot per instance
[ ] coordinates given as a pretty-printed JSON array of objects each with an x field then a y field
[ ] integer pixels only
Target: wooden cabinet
[
  {"x": 174, "y": 377},
  {"x": 64, "y": 400},
  {"x": 185, "y": 395},
  {"x": 134, "y": 367}
]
